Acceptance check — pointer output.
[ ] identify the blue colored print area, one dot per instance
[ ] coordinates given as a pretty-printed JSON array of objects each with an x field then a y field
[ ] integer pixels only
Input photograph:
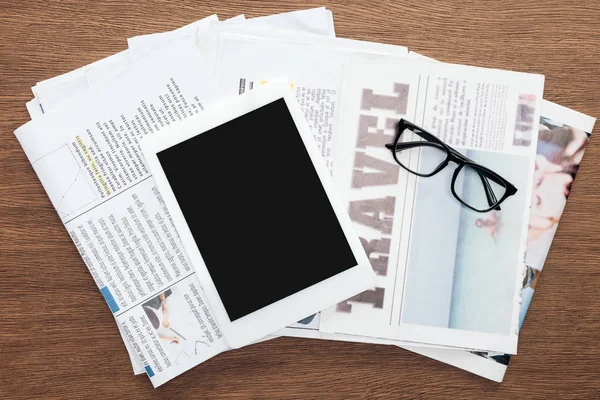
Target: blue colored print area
[
  {"x": 149, "y": 371},
  {"x": 110, "y": 300}
]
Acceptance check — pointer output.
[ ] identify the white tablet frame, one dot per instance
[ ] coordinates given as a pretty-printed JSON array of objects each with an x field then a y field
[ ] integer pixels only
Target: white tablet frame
[{"x": 278, "y": 315}]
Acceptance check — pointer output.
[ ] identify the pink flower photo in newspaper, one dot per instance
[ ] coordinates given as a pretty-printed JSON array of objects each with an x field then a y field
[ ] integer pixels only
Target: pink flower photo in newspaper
[{"x": 559, "y": 153}]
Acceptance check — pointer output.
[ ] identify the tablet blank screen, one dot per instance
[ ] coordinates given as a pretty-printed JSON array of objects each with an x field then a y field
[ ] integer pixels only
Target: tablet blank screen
[{"x": 257, "y": 209}]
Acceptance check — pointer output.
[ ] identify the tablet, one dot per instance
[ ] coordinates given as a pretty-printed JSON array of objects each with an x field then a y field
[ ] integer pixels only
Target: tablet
[{"x": 257, "y": 212}]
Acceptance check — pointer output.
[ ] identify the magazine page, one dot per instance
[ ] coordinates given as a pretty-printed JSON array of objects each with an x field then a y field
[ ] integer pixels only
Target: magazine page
[
  {"x": 87, "y": 157},
  {"x": 486, "y": 115},
  {"x": 563, "y": 136}
]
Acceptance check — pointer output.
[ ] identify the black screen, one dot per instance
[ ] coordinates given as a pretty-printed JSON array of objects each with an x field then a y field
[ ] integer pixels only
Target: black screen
[{"x": 256, "y": 209}]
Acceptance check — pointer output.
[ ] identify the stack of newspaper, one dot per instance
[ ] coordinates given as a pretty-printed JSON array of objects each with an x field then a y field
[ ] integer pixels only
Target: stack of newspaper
[{"x": 451, "y": 285}]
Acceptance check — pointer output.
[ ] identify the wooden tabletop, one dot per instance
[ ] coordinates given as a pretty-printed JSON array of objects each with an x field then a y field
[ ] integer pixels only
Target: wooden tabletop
[{"x": 57, "y": 337}]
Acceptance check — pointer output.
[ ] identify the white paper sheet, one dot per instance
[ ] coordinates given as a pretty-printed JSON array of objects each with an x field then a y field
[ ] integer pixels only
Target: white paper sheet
[
  {"x": 108, "y": 68},
  {"x": 52, "y": 92},
  {"x": 248, "y": 60},
  {"x": 141, "y": 46},
  {"x": 87, "y": 157},
  {"x": 34, "y": 109},
  {"x": 317, "y": 21}
]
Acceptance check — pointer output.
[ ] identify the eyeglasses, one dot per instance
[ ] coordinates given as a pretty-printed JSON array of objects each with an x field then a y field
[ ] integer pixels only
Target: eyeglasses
[{"x": 475, "y": 186}]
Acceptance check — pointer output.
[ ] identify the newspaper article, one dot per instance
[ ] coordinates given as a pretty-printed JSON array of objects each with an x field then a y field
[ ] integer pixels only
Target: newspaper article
[
  {"x": 421, "y": 295},
  {"x": 86, "y": 155},
  {"x": 563, "y": 137}
]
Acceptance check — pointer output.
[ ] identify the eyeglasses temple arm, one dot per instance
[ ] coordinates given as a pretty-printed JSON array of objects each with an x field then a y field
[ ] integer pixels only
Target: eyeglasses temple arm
[
  {"x": 489, "y": 192},
  {"x": 410, "y": 145}
]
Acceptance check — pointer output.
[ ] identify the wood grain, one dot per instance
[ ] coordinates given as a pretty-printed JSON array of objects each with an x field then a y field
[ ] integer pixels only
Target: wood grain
[{"x": 57, "y": 339}]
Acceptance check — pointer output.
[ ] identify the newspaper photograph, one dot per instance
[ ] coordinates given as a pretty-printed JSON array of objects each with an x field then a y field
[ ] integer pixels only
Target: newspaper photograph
[
  {"x": 470, "y": 257},
  {"x": 86, "y": 155},
  {"x": 487, "y": 115},
  {"x": 563, "y": 137}
]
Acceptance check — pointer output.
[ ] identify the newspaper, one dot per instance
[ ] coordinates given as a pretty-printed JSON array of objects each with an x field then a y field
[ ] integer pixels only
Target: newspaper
[
  {"x": 310, "y": 326},
  {"x": 60, "y": 90},
  {"x": 52, "y": 92},
  {"x": 319, "y": 94},
  {"x": 563, "y": 136},
  {"x": 443, "y": 297},
  {"x": 86, "y": 155}
]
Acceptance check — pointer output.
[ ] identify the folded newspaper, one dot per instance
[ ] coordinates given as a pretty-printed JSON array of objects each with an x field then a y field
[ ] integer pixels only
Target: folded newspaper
[{"x": 83, "y": 145}]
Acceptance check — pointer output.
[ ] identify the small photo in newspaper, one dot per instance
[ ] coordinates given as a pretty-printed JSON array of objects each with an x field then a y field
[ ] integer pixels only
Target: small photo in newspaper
[
  {"x": 469, "y": 262},
  {"x": 174, "y": 324},
  {"x": 173, "y": 330},
  {"x": 559, "y": 153}
]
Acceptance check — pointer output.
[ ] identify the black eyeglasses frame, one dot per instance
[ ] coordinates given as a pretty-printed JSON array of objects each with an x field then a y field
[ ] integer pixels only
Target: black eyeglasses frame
[{"x": 485, "y": 174}]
